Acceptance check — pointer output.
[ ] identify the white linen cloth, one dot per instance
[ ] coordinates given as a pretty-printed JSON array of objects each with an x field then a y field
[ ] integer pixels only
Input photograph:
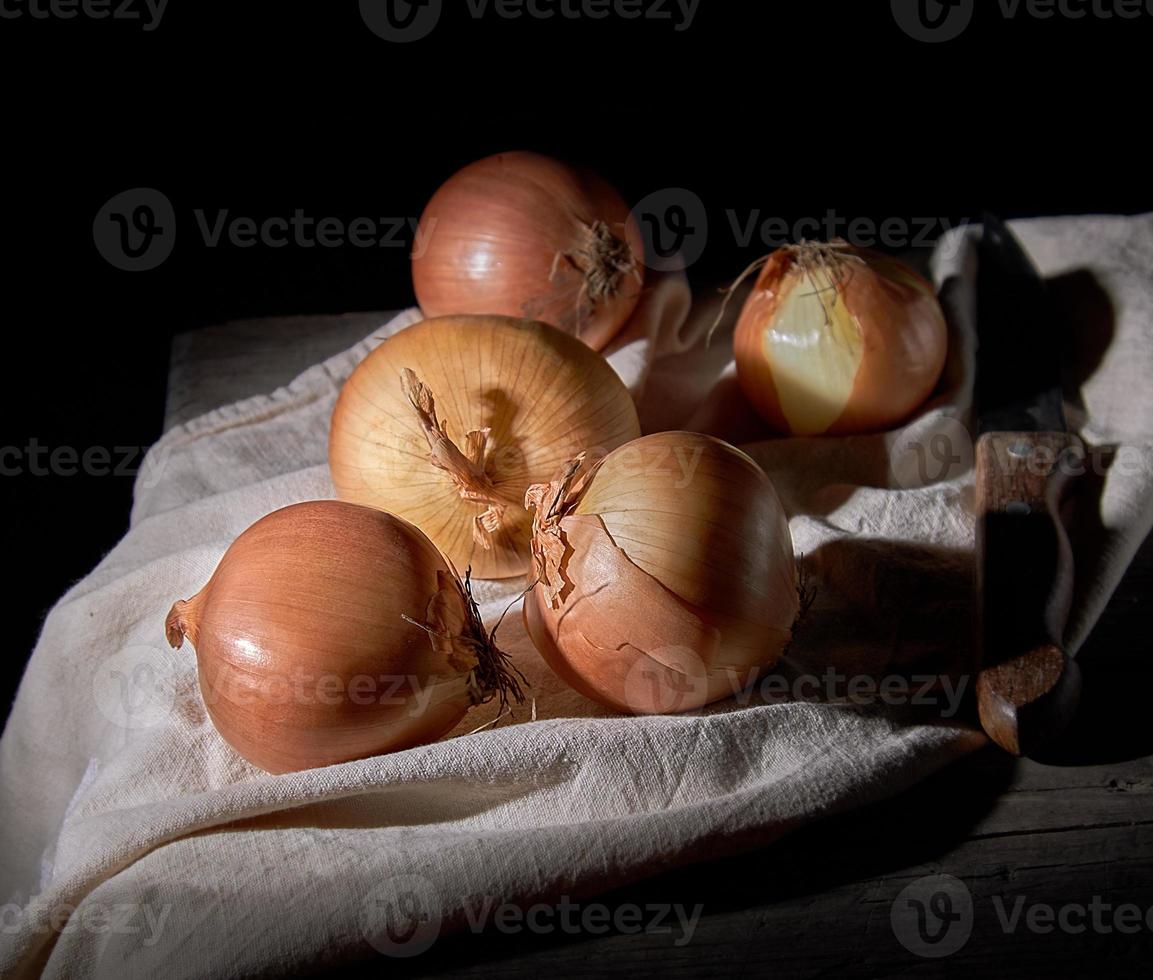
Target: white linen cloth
[{"x": 135, "y": 842}]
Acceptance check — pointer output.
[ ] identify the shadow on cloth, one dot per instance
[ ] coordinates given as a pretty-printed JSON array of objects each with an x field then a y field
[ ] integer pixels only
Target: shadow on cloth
[
  {"x": 918, "y": 827},
  {"x": 887, "y": 606},
  {"x": 410, "y": 804}
]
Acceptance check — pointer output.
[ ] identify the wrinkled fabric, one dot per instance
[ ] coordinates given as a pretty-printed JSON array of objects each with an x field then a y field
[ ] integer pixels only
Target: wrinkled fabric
[{"x": 135, "y": 842}]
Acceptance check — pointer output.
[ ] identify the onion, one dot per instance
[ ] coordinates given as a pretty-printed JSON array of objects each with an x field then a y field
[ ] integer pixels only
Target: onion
[
  {"x": 838, "y": 339},
  {"x": 665, "y": 574},
  {"x": 331, "y": 632},
  {"x": 449, "y": 422},
  {"x": 520, "y": 234}
]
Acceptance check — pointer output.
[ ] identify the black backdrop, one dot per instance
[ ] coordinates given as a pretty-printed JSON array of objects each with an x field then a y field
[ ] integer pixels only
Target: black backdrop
[{"x": 264, "y": 107}]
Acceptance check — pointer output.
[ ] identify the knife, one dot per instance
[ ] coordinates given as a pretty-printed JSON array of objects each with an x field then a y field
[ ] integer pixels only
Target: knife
[{"x": 1027, "y": 686}]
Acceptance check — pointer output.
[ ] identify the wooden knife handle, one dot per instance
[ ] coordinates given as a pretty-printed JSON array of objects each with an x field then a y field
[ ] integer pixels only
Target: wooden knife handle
[{"x": 1028, "y": 687}]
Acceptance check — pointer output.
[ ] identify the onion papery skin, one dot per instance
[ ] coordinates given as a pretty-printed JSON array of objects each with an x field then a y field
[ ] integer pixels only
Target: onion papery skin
[
  {"x": 542, "y": 395},
  {"x": 836, "y": 339},
  {"x": 668, "y": 580},
  {"x": 303, "y": 655},
  {"x": 520, "y": 234}
]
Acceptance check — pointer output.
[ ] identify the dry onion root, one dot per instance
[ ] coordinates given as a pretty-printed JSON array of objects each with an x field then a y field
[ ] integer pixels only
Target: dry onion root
[
  {"x": 449, "y": 422},
  {"x": 520, "y": 234},
  {"x": 665, "y": 574},
  {"x": 331, "y": 632},
  {"x": 837, "y": 339}
]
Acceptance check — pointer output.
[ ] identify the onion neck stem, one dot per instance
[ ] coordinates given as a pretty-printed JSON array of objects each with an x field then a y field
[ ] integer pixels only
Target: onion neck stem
[{"x": 466, "y": 469}]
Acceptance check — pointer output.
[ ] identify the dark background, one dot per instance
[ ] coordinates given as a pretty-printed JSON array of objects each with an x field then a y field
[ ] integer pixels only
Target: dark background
[{"x": 266, "y": 107}]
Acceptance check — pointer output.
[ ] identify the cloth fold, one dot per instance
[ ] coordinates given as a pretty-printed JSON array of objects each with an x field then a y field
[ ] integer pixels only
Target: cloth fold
[{"x": 136, "y": 842}]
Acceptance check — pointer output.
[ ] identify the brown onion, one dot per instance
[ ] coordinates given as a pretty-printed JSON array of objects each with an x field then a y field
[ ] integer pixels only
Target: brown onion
[
  {"x": 449, "y": 422},
  {"x": 665, "y": 574},
  {"x": 838, "y": 339},
  {"x": 331, "y": 632},
  {"x": 520, "y": 234}
]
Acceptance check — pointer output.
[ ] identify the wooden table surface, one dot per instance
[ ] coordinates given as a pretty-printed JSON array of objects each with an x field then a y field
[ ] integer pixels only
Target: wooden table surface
[{"x": 1073, "y": 831}]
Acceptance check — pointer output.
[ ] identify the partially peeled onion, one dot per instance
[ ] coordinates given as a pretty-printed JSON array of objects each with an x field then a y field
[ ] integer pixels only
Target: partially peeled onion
[
  {"x": 837, "y": 339},
  {"x": 520, "y": 234},
  {"x": 331, "y": 632},
  {"x": 665, "y": 575}
]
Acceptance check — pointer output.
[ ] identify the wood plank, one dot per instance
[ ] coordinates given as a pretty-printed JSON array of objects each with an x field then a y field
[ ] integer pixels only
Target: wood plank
[{"x": 222, "y": 364}]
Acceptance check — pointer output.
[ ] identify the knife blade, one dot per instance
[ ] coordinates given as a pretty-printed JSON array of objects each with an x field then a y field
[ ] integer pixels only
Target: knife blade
[{"x": 1027, "y": 686}]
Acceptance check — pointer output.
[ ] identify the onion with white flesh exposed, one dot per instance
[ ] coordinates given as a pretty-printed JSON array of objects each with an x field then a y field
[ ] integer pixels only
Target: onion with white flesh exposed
[{"x": 836, "y": 339}]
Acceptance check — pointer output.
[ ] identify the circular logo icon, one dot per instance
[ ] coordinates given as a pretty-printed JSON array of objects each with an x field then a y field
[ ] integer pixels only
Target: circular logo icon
[
  {"x": 670, "y": 681},
  {"x": 136, "y": 688},
  {"x": 675, "y": 228},
  {"x": 933, "y": 917},
  {"x": 135, "y": 230},
  {"x": 401, "y": 21},
  {"x": 401, "y": 917},
  {"x": 921, "y": 456},
  {"x": 933, "y": 21}
]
